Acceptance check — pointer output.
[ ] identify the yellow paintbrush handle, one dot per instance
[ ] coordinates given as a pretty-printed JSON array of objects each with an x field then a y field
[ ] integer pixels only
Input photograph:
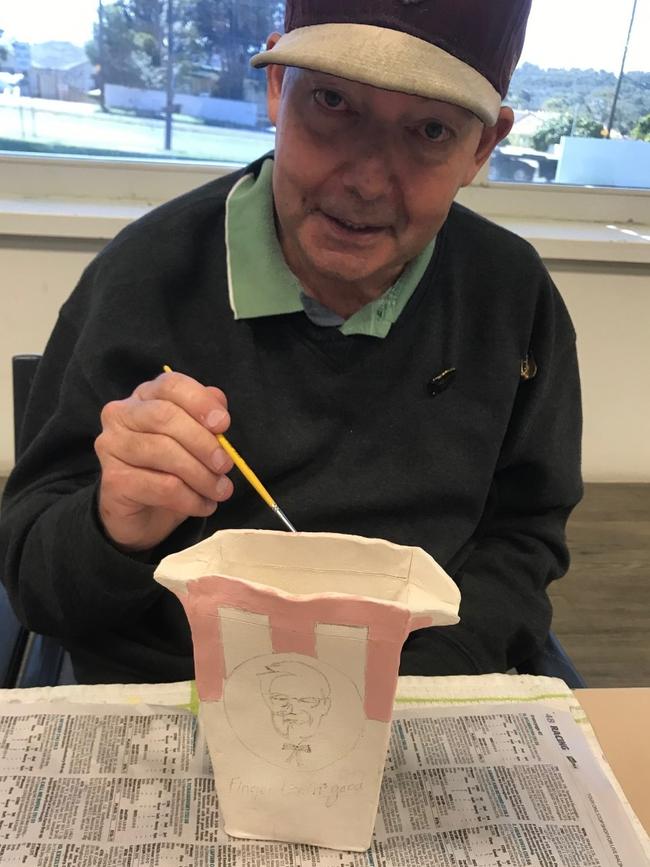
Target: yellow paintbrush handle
[{"x": 246, "y": 471}]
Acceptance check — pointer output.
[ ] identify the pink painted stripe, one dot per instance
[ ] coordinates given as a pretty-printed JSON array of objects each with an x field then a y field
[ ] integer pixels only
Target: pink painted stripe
[
  {"x": 293, "y": 624},
  {"x": 209, "y": 659}
]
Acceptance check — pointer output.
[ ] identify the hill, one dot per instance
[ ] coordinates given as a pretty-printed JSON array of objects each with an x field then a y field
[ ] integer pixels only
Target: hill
[{"x": 587, "y": 93}]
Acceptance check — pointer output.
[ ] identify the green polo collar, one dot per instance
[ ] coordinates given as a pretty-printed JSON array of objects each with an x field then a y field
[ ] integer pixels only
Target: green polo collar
[{"x": 259, "y": 280}]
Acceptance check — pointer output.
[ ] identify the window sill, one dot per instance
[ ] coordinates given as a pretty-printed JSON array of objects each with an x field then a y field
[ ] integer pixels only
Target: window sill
[
  {"x": 582, "y": 241},
  {"x": 68, "y": 218},
  {"x": 87, "y": 219}
]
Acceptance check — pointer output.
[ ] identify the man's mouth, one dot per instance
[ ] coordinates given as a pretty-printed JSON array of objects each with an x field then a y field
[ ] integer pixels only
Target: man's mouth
[{"x": 353, "y": 226}]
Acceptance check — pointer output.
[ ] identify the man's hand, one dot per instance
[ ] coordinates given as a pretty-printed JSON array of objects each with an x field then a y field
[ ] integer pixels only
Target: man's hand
[{"x": 161, "y": 462}]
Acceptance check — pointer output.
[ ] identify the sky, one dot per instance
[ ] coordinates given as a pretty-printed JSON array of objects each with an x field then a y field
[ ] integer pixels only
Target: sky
[
  {"x": 561, "y": 33},
  {"x": 586, "y": 34}
]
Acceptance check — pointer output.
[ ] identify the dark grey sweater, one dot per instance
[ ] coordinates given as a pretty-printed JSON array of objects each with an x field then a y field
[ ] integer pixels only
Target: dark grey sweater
[{"x": 345, "y": 431}]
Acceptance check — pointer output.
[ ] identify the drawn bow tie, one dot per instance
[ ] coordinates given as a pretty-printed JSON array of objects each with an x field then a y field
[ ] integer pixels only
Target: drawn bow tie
[{"x": 297, "y": 748}]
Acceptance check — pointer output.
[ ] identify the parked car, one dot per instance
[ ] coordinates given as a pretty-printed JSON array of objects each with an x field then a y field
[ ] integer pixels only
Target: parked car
[
  {"x": 509, "y": 167},
  {"x": 547, "y": 165},
  {"x": 522, "y": 167}
]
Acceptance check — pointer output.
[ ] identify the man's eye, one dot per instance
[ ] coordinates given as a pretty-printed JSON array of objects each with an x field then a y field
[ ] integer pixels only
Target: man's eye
[
  {"x": 329, "y": 99},
  {"x": 435, "y": 131}
]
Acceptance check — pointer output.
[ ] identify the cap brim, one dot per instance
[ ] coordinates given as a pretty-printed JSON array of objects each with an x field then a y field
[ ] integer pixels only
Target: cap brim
[{"x": 388, "y": 59}]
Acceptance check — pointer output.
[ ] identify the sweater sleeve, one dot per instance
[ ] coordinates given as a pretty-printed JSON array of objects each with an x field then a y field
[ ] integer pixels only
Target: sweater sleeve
[
  {"x": 519, "y": 546},
  {"x": 63, "y": 576},
  {"x": 118, "y": 327}
]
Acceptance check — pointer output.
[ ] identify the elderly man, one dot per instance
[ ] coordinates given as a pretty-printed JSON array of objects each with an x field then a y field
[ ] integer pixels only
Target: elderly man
[{"x": 390, "y": 363}]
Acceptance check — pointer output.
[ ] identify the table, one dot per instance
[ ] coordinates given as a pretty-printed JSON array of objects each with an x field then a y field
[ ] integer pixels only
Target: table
[{"x": 620, "y": 719}]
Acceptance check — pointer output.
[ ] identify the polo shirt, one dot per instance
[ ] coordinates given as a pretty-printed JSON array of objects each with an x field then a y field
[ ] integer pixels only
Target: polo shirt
[{"x": 261, "y": 283}]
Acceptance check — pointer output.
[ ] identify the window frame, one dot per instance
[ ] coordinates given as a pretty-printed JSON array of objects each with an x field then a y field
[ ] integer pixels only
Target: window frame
[
  {"x": 155, "y": 181},
  {"x": 89, "y": 198}
]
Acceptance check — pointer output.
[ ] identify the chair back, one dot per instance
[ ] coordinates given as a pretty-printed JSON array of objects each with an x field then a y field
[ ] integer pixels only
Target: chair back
[
  {"x": 27, "y": 659},
  {"x": 23, "y": 370},
  {"x": 13, "y": 640}
]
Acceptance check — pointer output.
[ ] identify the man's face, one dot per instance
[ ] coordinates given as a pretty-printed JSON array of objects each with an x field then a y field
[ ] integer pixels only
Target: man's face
[
  {"x": 364, "y": 178},
  {"x": 297, "y": 706}
]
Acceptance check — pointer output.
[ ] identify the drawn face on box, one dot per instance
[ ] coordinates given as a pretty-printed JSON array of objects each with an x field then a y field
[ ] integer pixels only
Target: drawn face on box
[
  {"x": 294, "y": 711},
  {"x": 298, "y": 697}
]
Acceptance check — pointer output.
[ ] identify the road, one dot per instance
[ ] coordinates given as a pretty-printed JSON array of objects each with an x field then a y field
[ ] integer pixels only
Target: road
[{"x": 85, "y": 125}]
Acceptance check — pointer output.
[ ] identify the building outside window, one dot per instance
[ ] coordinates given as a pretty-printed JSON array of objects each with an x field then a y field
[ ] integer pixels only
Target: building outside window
[{"x": 170, "y": 79}]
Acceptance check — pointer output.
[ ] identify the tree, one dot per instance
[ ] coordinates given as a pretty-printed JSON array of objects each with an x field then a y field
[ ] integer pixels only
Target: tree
[
  {"x": 233, "y": 30},
  {"x": 216, "y": 34},
  {"x": 133, "y": 44},
  {"x": 553, "y": 130},
  {"x": 520, "y": 100},
  {"x": 558, "y": 104},
  {"x": 642, "y": 130},
  {"x": 4, "y": 53},
  {"x": 633, "y": 102}
]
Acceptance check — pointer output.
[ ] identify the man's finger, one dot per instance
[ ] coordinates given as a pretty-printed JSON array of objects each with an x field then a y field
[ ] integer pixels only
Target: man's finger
[
  {"x": 162, "y": 454},
  {"x": 152, "y": 489},
  {"x": 205, "y": 405},
  {"x": 165, "y": 418}
]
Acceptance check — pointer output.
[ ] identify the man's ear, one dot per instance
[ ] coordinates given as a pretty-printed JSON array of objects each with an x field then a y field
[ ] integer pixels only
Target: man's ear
[
  {"x": 274, "y": 76},
  {"x": 490, "y": 138}
]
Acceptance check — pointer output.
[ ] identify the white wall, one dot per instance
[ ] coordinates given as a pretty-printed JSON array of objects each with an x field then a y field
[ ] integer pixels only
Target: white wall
[
  {"x": 209, "y": 108},
  {"x": 610, "y": 305}
]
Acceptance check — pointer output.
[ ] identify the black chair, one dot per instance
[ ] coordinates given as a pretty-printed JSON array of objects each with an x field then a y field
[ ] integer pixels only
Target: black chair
[
  {"x": 552, "y": 661},
  {"x": 13, "y": 640},
  {"x": 13, "y": 636},
  {"x": 27, "y": 659}
]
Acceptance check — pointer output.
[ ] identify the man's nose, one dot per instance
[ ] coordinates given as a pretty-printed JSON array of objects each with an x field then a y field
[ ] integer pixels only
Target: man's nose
[{"x": 368, "y": 172}]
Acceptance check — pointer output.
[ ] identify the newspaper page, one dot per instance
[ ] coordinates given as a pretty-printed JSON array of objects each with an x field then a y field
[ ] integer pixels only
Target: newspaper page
[{"x": 487, "y": 786}]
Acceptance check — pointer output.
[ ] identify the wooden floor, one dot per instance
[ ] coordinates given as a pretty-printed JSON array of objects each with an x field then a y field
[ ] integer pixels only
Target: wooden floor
[{"x": 602, "y": 607}]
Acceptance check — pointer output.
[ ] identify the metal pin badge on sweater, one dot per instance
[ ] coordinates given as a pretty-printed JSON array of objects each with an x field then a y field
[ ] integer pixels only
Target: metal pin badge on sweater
[
  {"x": 441, "y": 382},
  {"x": 528, "y": 368}
]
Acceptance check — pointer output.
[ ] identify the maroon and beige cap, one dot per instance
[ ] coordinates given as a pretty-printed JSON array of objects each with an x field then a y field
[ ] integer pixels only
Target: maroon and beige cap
[{"x": 458, "y": 51}]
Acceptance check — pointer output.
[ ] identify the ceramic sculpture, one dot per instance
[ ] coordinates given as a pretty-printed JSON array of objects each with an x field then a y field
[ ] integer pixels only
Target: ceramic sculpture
[{"x": 297, "y": 641}]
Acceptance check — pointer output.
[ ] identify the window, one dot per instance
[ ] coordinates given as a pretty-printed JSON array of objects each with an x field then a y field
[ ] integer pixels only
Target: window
[
  {"x": 96, "y": 81},
  {"x": 581, "y": 96}
]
